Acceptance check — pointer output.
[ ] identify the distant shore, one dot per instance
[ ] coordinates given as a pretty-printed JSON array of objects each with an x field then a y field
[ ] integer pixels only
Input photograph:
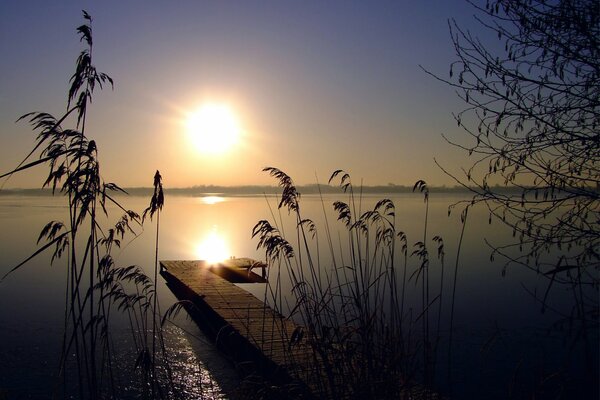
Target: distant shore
[{"x": 249, "y": 190}]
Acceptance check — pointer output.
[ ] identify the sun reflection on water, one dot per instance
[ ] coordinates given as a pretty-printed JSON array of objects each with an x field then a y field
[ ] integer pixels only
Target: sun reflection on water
[
  {"x": 213, "y": 248},
  {"x": 210, "y": 200}
]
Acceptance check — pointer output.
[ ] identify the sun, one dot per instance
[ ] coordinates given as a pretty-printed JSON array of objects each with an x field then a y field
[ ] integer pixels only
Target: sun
[{"x": 213, "y": 128}]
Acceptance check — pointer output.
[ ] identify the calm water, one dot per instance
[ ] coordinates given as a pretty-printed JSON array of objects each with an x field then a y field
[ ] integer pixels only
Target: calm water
[{"x": 503, "y": 342}]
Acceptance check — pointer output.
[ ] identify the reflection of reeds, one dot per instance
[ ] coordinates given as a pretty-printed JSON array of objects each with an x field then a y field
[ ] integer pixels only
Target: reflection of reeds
[
  {"x": 352, "y": 308},
  {"x": 95, "y": 286},
  {"x": 463, "y": 220}
]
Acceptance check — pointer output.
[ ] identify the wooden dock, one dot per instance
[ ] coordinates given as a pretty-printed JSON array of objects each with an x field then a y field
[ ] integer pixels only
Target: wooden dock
[{"x": 255, "y": 337}]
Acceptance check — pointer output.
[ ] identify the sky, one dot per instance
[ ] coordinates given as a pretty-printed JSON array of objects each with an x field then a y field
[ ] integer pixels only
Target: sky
[{"x": 314, "y": 86}]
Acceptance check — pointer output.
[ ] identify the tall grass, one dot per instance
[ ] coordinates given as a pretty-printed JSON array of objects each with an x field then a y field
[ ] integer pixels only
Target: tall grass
[
  {"x": 95, "y": 287},
  {"x": 350, "y": 299}
]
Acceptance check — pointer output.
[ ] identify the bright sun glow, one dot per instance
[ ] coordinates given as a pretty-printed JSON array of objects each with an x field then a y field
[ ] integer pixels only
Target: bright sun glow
[
  {"x": 213, "y": 128},
  {"x": 210, "y": 200},
  {"x": 213, "y": 248}
]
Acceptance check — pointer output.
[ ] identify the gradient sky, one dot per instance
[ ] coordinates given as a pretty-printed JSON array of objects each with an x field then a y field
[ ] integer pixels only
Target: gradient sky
[{"x": 316, "y": 86}]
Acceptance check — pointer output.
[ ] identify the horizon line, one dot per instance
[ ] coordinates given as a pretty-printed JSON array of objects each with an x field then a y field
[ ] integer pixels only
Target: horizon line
[{"x": 211, "y": 189}]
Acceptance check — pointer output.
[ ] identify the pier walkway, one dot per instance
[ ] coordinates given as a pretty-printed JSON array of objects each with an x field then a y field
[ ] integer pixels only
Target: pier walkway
[{"x": 255, "y": 337}]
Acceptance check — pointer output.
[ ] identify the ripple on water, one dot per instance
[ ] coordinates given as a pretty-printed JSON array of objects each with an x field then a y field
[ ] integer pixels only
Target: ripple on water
[
  {"x": 191, "y": 378},
  {"x": 190, "y": 375}
]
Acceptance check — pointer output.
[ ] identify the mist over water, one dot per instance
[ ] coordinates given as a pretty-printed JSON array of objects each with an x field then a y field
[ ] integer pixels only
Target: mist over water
[{"x": 499, "y": 330}]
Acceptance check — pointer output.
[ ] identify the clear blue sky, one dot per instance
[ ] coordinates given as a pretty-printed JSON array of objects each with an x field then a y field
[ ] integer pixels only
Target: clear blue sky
[{"x": 315, "y": 86}]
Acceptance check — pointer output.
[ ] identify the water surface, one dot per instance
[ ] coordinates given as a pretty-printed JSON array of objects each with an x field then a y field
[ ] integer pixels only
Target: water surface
[{"x": 503, "y": 343}]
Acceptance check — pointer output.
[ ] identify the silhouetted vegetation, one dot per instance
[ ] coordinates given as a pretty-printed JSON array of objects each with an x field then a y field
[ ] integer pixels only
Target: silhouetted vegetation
[
  {"x": 96, "y": 287},
  {"x": 349, "y": 295},
  {"x": 534, "y": 119}
]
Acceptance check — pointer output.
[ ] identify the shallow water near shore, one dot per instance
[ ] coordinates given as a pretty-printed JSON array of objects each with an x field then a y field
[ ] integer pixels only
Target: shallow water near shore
[{"x": 503, "y": 344}]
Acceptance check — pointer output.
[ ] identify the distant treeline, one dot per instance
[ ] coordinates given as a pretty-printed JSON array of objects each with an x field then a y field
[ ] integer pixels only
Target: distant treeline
[{"x": 249, "y": 190}]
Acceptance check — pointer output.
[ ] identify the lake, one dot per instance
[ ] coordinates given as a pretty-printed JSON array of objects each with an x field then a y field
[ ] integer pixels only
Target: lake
[{"x": 503, "y": 344}]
